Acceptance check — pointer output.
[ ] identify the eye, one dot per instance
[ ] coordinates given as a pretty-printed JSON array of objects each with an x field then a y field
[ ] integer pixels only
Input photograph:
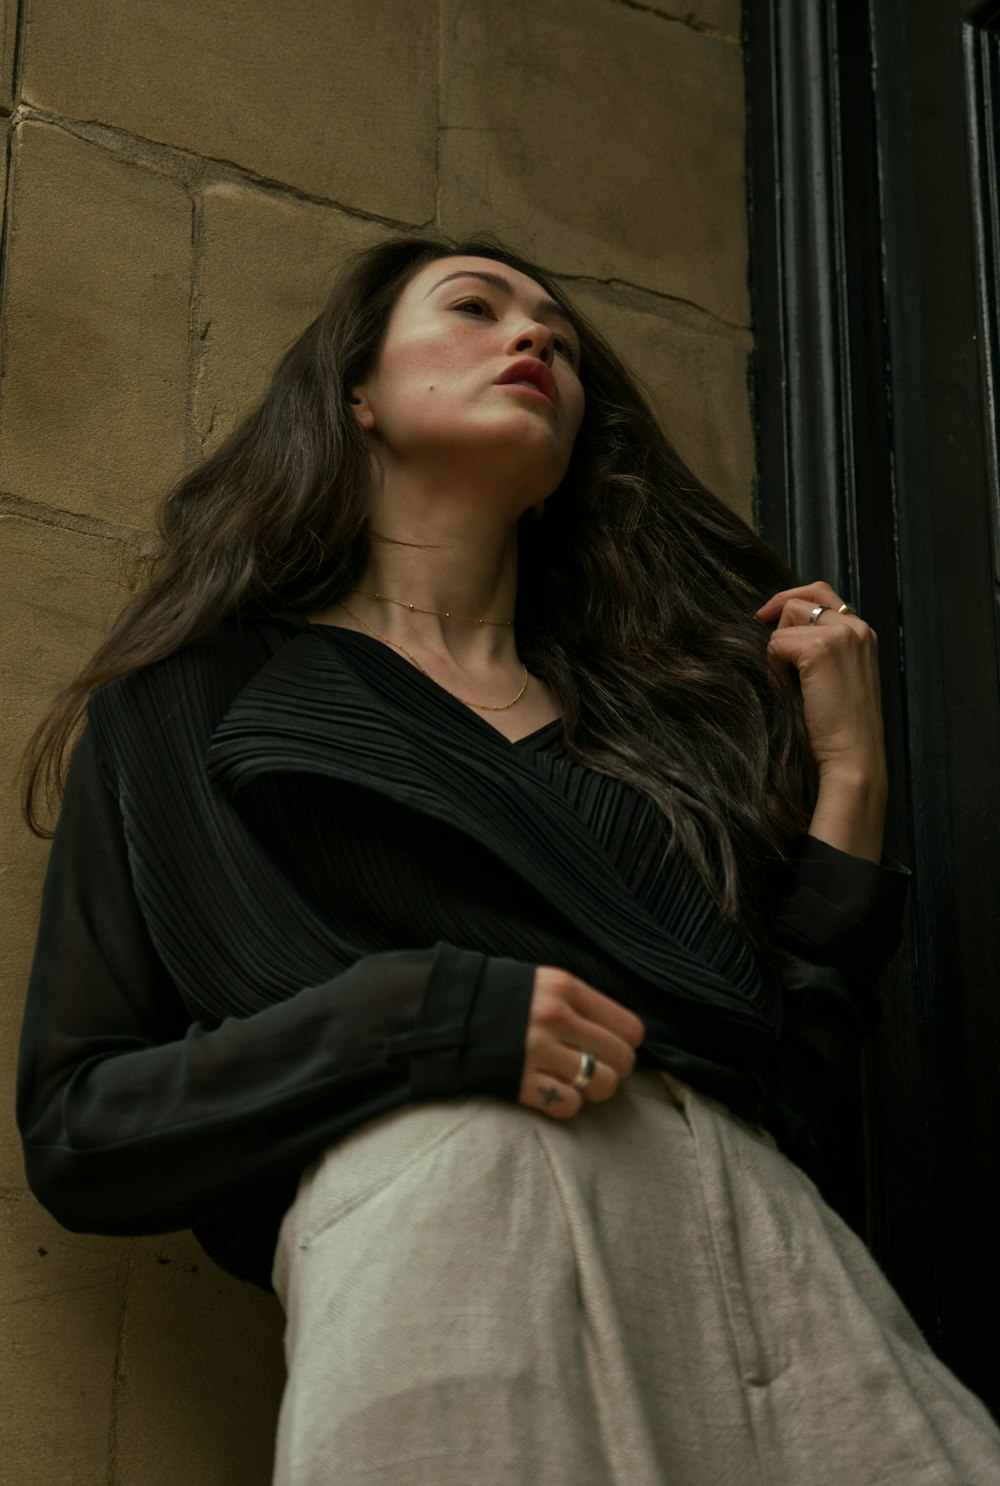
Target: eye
[
  {"x": 475, "y": 304},
  {"x": 483, "y": 307}
]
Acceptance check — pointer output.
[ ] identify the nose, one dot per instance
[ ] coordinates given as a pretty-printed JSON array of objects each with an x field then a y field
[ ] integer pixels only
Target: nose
[{"x": 535, "y": 339}]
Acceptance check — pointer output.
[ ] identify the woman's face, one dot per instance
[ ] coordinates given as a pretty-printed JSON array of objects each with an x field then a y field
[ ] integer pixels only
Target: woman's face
[{"x": 478, "y": 363}]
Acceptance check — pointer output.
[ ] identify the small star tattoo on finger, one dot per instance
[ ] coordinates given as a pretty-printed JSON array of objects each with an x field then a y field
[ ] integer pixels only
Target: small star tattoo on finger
[{"x": 551, "y": 1095}]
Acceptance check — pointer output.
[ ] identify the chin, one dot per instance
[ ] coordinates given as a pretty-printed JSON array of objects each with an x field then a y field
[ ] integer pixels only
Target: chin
[{"x": 529, "y": 440}]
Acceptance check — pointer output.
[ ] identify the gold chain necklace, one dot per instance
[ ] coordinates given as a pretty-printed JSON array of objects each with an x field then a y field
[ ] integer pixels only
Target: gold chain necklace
[
  {"x": 441, "y": 613},
  {"x": 484, "y": 706}
]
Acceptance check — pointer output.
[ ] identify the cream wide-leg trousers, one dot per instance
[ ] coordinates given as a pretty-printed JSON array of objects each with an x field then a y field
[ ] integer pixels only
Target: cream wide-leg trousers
[{"x": 650, "y": 1294}]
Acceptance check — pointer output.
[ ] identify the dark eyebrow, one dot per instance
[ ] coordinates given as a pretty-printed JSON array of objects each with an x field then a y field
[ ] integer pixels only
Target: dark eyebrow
[{"x": 544, "y": 306}]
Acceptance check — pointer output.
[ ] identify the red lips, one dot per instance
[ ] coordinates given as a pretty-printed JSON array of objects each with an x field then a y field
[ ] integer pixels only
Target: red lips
[{"x": 530, "y": 369}]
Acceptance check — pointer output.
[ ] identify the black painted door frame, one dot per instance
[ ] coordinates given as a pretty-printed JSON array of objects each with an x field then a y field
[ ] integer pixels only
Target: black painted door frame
[{"x": 873, "y": 151}]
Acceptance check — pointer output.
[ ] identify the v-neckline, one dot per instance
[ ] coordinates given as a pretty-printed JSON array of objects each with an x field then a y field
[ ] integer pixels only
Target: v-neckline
[{"x": 442, "y": 691}]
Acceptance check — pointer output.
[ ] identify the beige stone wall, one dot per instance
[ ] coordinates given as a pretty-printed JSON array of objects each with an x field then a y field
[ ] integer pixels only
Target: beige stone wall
[{"x": 183, "y": 179}]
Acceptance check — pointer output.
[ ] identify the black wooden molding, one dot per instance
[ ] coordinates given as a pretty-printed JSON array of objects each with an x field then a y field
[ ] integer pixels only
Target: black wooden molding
[{"x": 873, "y": 164}]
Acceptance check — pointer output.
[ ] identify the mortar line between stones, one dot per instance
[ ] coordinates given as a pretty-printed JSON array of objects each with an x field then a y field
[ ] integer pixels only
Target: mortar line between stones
[
  {"x": 20, "y": 27},
  {"x": 193, "y": 171},
  {"x": 184, "y": 167},
  {"x": 20, "y": 24},
  {"x": 125, "y": 1273},
  {"x": 193, "y": 440},
  {"x": 437, "y": 118},
  {"x": 5, "y": 214},
  {"x": 701, "y": 28}
]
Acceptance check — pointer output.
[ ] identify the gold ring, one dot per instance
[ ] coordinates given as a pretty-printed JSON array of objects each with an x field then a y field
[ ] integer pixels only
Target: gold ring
[
  {"x": 847, "y": 609},
  {"x": 588, "y": 1063}
]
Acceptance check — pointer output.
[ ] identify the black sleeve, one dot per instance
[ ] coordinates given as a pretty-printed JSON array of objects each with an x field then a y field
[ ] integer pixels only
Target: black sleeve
[
  {"x": 836, "y": 922},
  {"x": 136, "y": 1119}
]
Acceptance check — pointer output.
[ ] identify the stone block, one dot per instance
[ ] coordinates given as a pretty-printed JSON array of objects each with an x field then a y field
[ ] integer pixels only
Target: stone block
[
  {"x": 722, "y": 17},
  {"x": 8, "y": 41},
  {"x": 98, "y": 287},
  {"x": 696, "y": 373},
  {"x": 337, "y": 100},
  {"x": 61, "y": 1296},
  {"x": 201, "y": 1365},
  {"x": 202, "y": 1372},
  {"x": 57, "y": 589},
  {"x": 18, "y": 937},
  {"x": 600, "y": 140},
  {"x": 288, "y": 254}
]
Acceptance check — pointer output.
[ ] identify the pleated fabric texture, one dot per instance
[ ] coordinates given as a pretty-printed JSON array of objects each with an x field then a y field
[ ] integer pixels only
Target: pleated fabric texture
[
  {"x": 189, "y": 739},
  {"x": 648, "y": 1294},
  {"x": 467, "y": 778}
]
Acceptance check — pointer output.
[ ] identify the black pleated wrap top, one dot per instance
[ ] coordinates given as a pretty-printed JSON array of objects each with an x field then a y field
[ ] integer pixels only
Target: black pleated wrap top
[{"x": 296, "y": 884}]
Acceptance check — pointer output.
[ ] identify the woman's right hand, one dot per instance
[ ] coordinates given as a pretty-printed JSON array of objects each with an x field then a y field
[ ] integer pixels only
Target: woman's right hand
[{"x": 568, "y": 1017}]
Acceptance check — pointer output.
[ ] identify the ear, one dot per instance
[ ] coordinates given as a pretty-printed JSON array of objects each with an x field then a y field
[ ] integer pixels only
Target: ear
[{"x": 362, "y": 408}]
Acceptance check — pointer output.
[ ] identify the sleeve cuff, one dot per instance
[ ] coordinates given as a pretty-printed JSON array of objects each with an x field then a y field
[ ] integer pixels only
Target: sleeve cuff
[
  {"x": 494, "y": 1052},
  {"x": 436, "y": 1044},
  {"x": 470, "y": 1032},
  {"x": 842, "y": 910}
]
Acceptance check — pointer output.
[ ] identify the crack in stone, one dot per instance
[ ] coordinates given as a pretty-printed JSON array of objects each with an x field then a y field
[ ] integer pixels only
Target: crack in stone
[
  {"x": 76, "y": 521},
  {"x": 33, "y": 1296},
  {"x": 689, "y": 19},
  {"x": 195, "y": 172},
  {"x": 694, "y": 316}
]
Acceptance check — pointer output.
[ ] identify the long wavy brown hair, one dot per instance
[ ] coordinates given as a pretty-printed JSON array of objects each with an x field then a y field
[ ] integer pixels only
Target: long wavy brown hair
[{"x": 635, "y": 602}]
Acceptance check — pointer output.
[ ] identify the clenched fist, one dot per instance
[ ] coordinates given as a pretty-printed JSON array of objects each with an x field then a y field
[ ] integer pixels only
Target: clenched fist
[{"x": 567, "y": 1018}]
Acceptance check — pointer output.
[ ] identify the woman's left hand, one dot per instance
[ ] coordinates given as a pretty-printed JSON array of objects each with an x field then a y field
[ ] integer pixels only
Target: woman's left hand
[{"x": 836, "y": 657}]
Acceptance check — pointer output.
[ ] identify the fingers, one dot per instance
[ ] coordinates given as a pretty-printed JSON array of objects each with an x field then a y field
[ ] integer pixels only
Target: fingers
[
  {"x": 843, "y": 651},
  {"x": 604, "y": 1081},
  {"x": 800, "y": 611},
  {"x": 801, "y": 636},
  {"x": 797, "y": 638},
  {"x": 550, "y": 1096},
  {"x": 565, "y": 998},
  {"x": 815, "y": 593},
  {"x": 567, "y": 1018},
  {"x": 594, "y": 1006},
  {"x": 796, "y": 605},
  {"x": 556, "y": 1095},
  {"x": 557, "y": 1036}
]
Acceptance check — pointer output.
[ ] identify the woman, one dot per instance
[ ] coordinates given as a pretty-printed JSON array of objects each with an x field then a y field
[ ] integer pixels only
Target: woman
[{"x": 470, "y": 869}]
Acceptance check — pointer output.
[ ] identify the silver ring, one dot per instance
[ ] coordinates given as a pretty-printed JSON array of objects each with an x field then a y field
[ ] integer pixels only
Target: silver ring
[
  {"x": 815, "y": 613},
  {"x": 588, "y": 1064}
]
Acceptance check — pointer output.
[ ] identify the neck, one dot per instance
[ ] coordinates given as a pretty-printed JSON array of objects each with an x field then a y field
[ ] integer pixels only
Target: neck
[{"x": 458, "y": 558}]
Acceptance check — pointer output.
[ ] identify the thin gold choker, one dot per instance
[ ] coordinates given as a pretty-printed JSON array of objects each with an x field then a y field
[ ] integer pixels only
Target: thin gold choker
[
  {"x": 483, "y": 706},
  {"x": 441, "y": 613}
]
